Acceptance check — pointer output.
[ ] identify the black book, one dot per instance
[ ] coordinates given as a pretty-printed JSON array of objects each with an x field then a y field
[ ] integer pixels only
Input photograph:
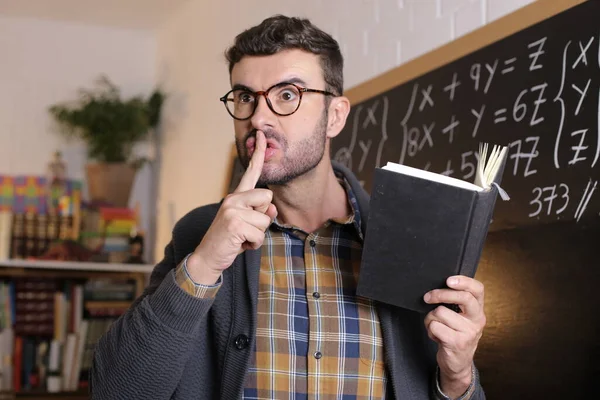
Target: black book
[{"x": 424, "y": 227}]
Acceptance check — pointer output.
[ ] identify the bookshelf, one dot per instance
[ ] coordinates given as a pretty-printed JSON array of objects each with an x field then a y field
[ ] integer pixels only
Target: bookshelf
[{"x": 62, "y": 307}]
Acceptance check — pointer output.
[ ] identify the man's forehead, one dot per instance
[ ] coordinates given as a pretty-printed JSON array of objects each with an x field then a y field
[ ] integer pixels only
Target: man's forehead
[{"x": 261, "y": 72}]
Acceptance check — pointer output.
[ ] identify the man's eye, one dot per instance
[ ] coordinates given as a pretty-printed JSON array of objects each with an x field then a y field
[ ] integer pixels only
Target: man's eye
[
  {"x": 288, "y": 95},
  {"x": 245, "y": 98}
]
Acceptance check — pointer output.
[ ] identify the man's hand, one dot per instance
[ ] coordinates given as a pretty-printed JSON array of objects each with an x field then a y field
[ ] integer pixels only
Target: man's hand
[
  {"x": 456, "y": 333},
  {"x": 240, "y": 223}
]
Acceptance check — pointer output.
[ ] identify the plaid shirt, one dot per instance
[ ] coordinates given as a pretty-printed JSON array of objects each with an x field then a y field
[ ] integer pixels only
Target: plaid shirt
[{"x": 315, "y": 338}]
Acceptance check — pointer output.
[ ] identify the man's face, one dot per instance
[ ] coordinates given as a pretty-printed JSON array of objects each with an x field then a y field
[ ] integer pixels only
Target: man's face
[{"x": 295, "y": 143}]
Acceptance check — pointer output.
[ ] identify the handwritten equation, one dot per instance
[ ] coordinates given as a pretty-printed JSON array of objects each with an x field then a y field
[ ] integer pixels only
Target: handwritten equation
[{"x": 539, "y": 97}]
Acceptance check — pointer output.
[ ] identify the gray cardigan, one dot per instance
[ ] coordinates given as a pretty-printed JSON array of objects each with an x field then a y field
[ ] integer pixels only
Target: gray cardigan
[{"x": 170, "y": 345}]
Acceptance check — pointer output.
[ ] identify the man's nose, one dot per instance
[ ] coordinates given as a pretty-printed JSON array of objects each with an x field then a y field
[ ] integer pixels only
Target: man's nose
[{"x": 263, "y": 115}]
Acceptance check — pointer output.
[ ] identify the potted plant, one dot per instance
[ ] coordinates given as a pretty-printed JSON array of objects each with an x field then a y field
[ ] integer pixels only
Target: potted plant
[{"x": 110, "y": 126}]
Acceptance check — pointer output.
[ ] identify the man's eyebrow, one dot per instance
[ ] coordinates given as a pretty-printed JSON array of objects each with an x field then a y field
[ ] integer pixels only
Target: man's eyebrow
[
  {"x": 239, "y": 86},
  {"x": 293, "y": 79},
  {"x": 296, "y": 80}
]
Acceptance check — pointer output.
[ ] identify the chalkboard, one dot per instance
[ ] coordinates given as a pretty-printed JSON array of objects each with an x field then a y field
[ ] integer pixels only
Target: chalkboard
[{"x": 536, "y": 91}]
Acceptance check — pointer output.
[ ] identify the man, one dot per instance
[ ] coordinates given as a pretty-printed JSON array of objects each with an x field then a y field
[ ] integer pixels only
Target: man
[{"x": 255, "y": 296}]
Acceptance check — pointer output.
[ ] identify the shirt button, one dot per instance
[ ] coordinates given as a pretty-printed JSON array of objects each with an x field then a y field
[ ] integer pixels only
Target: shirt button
[
  {"x": 316, "y": 295},
  {"x": 241, "y": 342},
  {"x": 313, "y": 243},
  {"x": 318, "y": 355}
]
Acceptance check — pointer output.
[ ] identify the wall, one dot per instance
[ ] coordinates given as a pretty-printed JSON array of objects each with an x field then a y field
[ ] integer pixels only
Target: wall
[
  {"x": 375, "y": 36},
  {"x": 43, "y": 62}
]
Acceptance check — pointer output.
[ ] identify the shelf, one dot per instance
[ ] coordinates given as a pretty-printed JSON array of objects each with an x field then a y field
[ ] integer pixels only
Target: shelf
[
  {"x": 36, "y": 395},
  {"x": 77, "y": 266}
]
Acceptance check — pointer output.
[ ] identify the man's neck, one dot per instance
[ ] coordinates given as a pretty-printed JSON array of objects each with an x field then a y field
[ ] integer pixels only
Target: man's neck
[{"x": 312, "y": 199}]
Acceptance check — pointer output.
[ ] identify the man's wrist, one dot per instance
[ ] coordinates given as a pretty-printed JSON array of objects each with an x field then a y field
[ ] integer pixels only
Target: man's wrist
[
  {"x": 199, "y": 271},
  {"x": 185, "y": 281},
  {"x": 455, "y": 386}
]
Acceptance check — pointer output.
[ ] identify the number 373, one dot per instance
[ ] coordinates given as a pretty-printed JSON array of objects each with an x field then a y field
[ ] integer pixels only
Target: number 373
[{"x": 554, "y": 196}]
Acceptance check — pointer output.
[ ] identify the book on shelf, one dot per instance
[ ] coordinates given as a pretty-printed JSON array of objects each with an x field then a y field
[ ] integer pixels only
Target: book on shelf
[
  {"x": 49, "y": 327},
  {"x": 424, "y": 227}
]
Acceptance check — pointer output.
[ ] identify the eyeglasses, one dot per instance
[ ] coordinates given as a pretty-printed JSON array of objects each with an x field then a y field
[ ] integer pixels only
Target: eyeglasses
[{"x": 283, "y": 99}]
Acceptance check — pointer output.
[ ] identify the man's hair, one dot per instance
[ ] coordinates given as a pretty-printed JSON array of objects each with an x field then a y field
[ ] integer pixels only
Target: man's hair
[{"x": 280, "y": 33}]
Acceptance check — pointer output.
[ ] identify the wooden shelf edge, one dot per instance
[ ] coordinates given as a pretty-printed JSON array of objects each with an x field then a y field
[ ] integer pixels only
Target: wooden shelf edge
[
  {"x": 77, "y": 266},
  {"x": 35, "y": 395}
]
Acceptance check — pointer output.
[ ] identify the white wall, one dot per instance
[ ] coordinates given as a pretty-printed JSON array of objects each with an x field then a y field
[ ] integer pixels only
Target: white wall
[
  {"x": 43, "y": 62},
  {"x": 375, "y": 35}
]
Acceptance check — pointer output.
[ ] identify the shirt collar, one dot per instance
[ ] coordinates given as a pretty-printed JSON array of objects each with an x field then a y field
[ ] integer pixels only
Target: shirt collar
[{"x": 352, "y": 219}]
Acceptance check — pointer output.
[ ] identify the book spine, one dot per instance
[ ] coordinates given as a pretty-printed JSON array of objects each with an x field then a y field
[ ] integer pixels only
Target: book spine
[
  {"x": 459, "y": 267},
  {"x": 481, "y": 218}
]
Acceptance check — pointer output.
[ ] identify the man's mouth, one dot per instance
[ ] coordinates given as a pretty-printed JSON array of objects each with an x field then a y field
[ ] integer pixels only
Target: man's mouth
[{"x": 272, "y": 147}]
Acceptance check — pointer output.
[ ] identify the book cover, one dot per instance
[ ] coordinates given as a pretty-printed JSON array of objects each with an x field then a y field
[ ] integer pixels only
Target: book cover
[{"x": 422, "y": 229}]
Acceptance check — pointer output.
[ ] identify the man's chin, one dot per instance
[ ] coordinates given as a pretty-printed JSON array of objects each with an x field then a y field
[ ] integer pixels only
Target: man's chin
[{"x": 274, "y": 179}]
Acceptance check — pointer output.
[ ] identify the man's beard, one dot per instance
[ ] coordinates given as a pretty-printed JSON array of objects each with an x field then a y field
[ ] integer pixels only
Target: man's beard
[{"x": 296, "y": 161}]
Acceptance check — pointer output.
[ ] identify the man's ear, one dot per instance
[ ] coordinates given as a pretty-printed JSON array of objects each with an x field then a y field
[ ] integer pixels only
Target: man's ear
[{"x": 339, "y": 108}]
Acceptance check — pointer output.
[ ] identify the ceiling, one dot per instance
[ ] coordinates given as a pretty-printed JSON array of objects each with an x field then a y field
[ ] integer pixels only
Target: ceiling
[{"x": 133, "y": 14}]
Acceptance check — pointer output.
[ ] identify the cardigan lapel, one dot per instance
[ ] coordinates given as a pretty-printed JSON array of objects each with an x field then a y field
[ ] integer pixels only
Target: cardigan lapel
[
  {"x": 244, "y": 296},
  {"x": 252, "y": 268},
  {"x": 393, "y": 356},
  {"x": 405, "y": 353}
]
